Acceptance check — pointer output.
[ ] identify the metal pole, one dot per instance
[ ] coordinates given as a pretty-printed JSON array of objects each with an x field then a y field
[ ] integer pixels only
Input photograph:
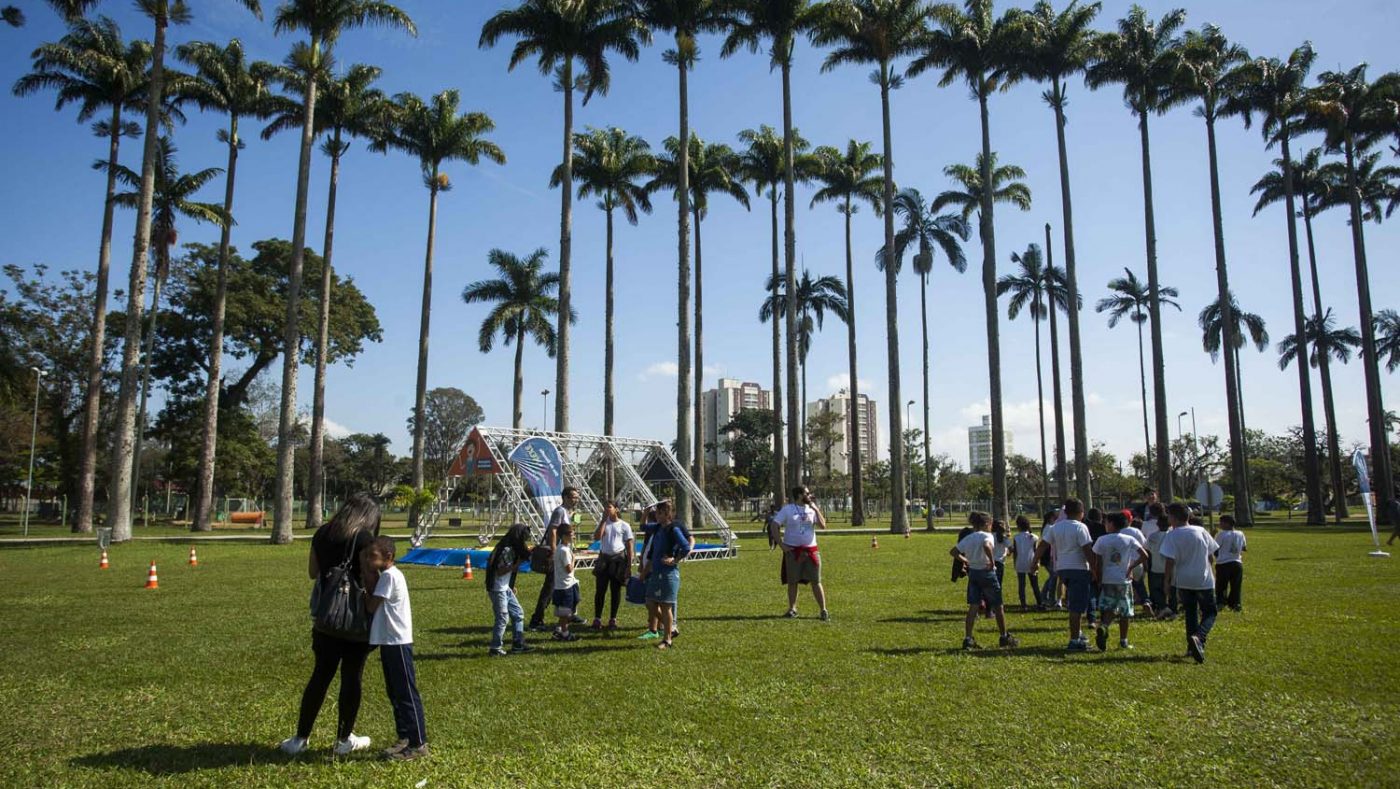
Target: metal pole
[
  {"x": 904, "y": 448},
  {"x": 33, "y": 434},
  {"x": 544, "y": 410}
]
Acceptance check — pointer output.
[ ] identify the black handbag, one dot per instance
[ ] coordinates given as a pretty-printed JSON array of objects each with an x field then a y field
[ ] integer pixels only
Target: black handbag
[{"x": 338, "y": 601}]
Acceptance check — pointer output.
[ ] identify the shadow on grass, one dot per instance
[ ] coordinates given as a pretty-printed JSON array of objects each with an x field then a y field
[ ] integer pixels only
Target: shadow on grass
[
  {"x": 923, "y": 620},
  {"x": 478, "y": 651},
  {"x": 163, "y": 760},
  {"x": 1043, "y": 652},
  {"x": 464, "y": 631},
  {"x": 736, "y": 618}
]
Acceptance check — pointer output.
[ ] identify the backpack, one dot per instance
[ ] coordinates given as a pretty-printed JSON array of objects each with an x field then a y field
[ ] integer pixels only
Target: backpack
[{"x": 338, "y": 600}]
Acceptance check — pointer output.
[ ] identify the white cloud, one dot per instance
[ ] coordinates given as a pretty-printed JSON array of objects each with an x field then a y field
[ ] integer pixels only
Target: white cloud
[
  {"x": 836, "y": 383},
  {"x": 336, "y": 430},
  {"x": 660, "y": 370}
]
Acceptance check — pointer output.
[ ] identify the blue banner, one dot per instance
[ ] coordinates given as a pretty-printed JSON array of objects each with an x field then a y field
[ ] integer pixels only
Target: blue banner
[{"x": 541, "y": 469}]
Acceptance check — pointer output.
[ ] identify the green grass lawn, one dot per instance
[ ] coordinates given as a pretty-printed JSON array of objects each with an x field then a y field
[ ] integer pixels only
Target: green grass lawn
[{"x": 103, "y": 683}]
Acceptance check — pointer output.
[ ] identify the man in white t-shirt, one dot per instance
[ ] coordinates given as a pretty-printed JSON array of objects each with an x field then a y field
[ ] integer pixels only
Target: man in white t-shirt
[
  {"x": 563, "y": 514},
  {"x": 1190, "y": 553},
  {"x": 1116, "y": 556},
  {"x": 977, "y": 549},
  {"x": 1073, "y": 548},
  {"x": 802, "y": 562}
]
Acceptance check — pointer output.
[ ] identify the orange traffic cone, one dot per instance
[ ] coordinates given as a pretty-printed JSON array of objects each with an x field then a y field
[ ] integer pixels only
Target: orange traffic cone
[
  {"x": 467, "y": 569},
  {"x": 194, "y": 560},
  {"x": 874, "y": 541},
  {"x": 102, "y": 565},
  {"x": 151, "y": 582}
]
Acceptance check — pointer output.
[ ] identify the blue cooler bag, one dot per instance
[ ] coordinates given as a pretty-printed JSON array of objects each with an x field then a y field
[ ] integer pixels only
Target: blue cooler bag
[{"x": 636, "y": 590}]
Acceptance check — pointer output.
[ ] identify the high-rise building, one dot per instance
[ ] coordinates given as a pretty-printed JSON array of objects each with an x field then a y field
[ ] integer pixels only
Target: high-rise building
[
  {"x": 867, "y": 435},
  {"x": 721, "y": 405},
  {"x": 979, "y": 446}
]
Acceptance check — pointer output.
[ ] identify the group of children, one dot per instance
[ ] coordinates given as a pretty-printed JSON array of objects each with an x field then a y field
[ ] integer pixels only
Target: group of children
[{"x": 1099, "y": 567}]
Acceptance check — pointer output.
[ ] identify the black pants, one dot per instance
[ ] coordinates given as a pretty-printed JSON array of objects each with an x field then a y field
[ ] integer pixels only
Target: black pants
[
  {"x": 402, "y": 683},
  {"x": 546, "y": 592},
  {"x": 1034, "y": 579},
  {"x": 331, "y": 654},
  {"x": 609, "y": 583},
  {"x": 1228, "y": 579}
]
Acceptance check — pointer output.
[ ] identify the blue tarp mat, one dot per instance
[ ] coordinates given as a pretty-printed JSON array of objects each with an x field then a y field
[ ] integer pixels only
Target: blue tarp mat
[{"x": 457, "y": 557}]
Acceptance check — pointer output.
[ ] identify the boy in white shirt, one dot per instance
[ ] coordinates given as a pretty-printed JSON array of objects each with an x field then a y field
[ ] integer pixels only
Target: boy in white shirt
[
  {"x": 1073, "y": 548},
  {"x": 1229, "y": 564},
  {"x": 1023, "y": 548},
  {"x": 1116, "y": 555},
  {"x": 392, "y": 631},
  {"x": 565, "y": 582},
  {"x": 1190, "y": 552},
  {"x": 977, "y": 549}
]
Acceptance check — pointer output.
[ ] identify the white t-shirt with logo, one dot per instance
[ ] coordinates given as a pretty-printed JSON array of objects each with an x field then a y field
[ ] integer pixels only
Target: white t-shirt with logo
[
  {"x": 615, "y": 536},
  {"x": 1117, "y": 550},
  {"x": 563, "y": 570},
  {"x": 1068, "y": 538},
  {"x": 1231, "y": 546},
  {"x": 1191, "y": 547},
  {"x": 799, "y": 523},
  {"x": 393, "y": 620},
  {"x": 974, "y": 546},
  {"x": 1025, "y": 551}
]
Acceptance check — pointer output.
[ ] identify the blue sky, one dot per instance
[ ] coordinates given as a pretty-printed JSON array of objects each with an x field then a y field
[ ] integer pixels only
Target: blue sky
[{"x": 52, "y": 203}]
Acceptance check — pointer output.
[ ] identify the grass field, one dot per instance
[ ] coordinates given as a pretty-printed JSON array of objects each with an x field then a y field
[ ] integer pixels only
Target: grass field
[{"x": 103, "y": 683}]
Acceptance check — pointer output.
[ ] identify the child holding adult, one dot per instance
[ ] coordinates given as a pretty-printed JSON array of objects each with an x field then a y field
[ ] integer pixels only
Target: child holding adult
[
  {"x": 502, "y": 567},
  {"x": 1116, "y": 555},
  {"x": 542, "y": 560},
  {"x": 1023, "y": 548},
  {"x": 1073, "y": 552},
  {"x": 978, "y": 549},
  {"x": 392, "y": 631},
  {"x": 1229, "y": 564},
  {"x": 565, "y": 595},
  {"x": 1001, "y": 545},
  {"x": 614, "y": 562},
  {"x": 662, "y": 572},
  {"x": 802, "y": 562},
  {"x": 1190, "y": 553}
]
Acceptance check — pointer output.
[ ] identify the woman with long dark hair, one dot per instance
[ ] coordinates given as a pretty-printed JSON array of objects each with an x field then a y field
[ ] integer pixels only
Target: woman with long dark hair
[
  {"x": 614, "y": 562},
  {"x": 335, "y": 545},
  {"x": 501, "y": 568}
]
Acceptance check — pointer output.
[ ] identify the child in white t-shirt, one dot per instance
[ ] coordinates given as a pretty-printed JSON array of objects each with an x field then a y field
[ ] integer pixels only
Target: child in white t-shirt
[
  {"x": 391, "y": 630},
  {"x": 1023, "y": 548},
  {"x": 977, "y": 549},
  {"x": 1116, "y": 556},
  {"x": 565, "y": 583},
  {"x": 1229, "y": 564}
]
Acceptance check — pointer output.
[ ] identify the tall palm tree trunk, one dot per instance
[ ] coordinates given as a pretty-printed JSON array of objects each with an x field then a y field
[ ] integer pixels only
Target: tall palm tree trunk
[
  {"x": 609, "y": 352},
  {"x": 1076, "y": 355},
  {"x": 779, "y": 450},
  {"x": 566, "y": 222},
  {"x": 291, "y": 331},
  {"x": 1375, "y": 407},
  {"x": 517, "y": 403},
  {"x": 1239, "y": 467},
  {"x": 1311, "y": 478},
  {"x": 1061, "y": 459},
  {"x": 1142, "y": 379},
  {"x": 314, "y": 494},
  {"x": 989, "y": 294},
  {"x": 1154, "y": 307},
  {"x": 97, "y": 338},
  {"x": 928, "y": 483},
  {"x": 853, "y": 409},
  {"x": 683, "y": 287},
  {"x": 1244, "y": 432},
  {"x": 1329, "y": 409},
  {"x": 421, "y": 394},
  {"x": 699, "y": 461},
  {"x": 1040, "y": 407},
  {"x": 898, "y": 515},
  {"x": 203, "y": 509},
  {"x": 119, "y": 481},
  {"x": 162, "y": 271},
  {"x": 796, "y": 434}
]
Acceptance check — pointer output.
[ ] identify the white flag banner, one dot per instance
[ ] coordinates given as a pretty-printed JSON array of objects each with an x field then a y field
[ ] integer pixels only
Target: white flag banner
[{"x": 1363, "y": 478}]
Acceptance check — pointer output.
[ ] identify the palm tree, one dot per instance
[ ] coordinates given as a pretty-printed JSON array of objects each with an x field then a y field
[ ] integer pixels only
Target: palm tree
[
  {"x": 223, "y": 81},
  {"x": 974, "y": 47},
  {"x": 1212, "y": 321},
  {"x": 71, "y": 11},
  {"x": 1388, "y": 338},
  {"x": 95, "y": 68},
  {"x": 685, "y": 19},
  {"x": 847, "y": 179},
  {"x": 433, "y": 132},
  {"x": 163, "y": 13},
  {"x": 1376, "y": 187},
  {"x": 713, "y": 168},
  {"x": 1130, "y": 297},
  {"x": 1275, "y": 90},
  {"x": 557, "y": 33},
  {"x": 880, "y": 32},
  {"x": 610, "y": 163},
  {"x": 1057, "y": 300},
  {"x": 171, "y": 199},
  {"x": 1314, "y": 190},
  {"x": 522, "y": 305},
  {"x": 346, "y": 106},
  {"x": 1006, "y": 186},
  {"x": 928, "y": 231},
  {"x": 1328, "y": 342},
  {"x": 1052, "y": 48},
  {"x": 1144, "y": 56},
  {"x": 780, "y": 22},
  {"x": 1211, "y": 73},
  {"x": 1027, "y": 288},
  {"x": 323, "y": 21}
]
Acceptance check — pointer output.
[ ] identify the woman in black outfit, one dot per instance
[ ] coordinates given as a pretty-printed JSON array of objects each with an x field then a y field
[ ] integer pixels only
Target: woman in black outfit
[{"x": 354, "y": 527}]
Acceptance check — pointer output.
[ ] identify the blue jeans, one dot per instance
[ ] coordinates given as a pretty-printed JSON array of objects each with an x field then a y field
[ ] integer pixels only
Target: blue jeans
[
  {"x": 1199, "y": 605},
  {"x": 507, "y": 608}
]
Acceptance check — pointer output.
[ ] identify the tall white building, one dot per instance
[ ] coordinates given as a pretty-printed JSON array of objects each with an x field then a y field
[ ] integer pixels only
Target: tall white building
[
  {"x": 979, "y": 446},
  {"x": 867, "y": 432},
  {"x": 721, "y": 405}
]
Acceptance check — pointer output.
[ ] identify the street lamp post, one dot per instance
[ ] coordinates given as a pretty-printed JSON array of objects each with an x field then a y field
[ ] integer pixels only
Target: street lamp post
[
  {"x": 33, "y": 434},
  {"x": 544, "y": 410}
]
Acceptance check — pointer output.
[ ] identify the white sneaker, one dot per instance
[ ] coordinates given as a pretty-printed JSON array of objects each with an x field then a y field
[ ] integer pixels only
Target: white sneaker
[
  {"x": 351, "y": 744},
  {"x": 292, "y": 746}
]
